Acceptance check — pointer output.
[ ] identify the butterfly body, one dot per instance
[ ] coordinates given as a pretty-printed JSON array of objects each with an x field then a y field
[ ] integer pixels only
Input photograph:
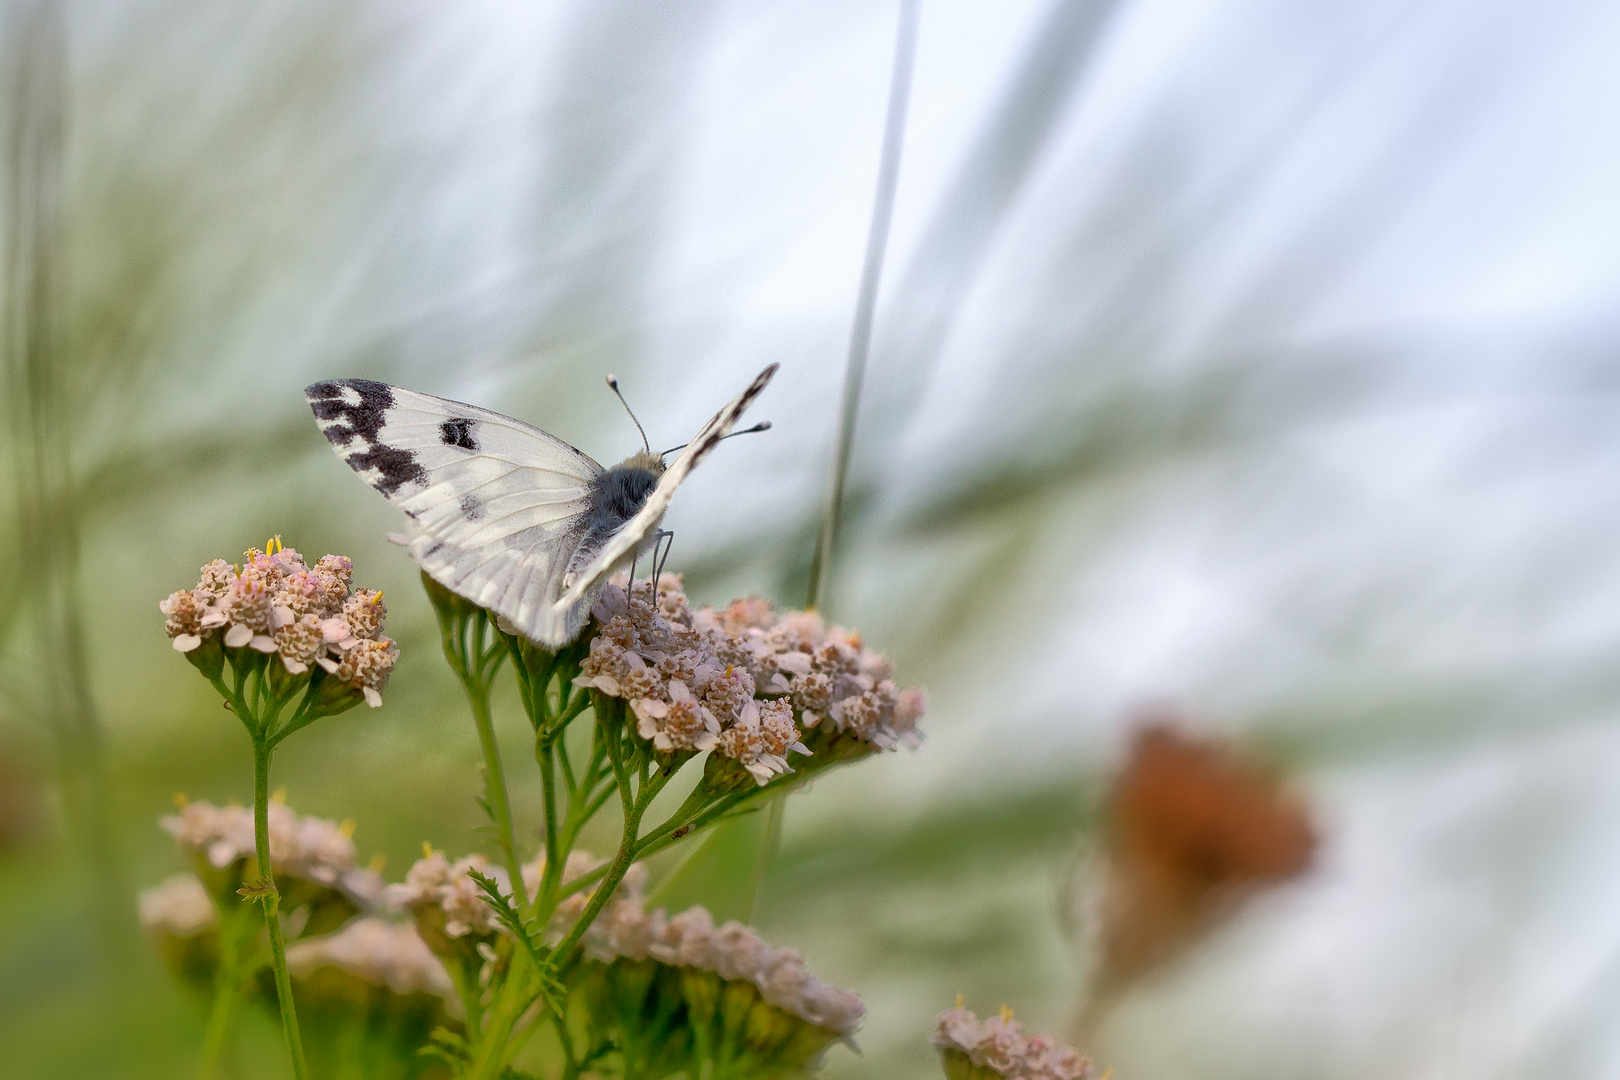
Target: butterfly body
[
  {"x": 502, "y": 513},
  {"x": 617, "y": 496}
]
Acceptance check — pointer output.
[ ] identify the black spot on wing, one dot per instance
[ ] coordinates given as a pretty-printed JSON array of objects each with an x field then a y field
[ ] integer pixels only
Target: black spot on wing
[
  {"x": 350, "y": 408},
  {"x": 395, "y": 467},
  {"x": 457, "y": 432},
  {"x": 471, "y": 508}
]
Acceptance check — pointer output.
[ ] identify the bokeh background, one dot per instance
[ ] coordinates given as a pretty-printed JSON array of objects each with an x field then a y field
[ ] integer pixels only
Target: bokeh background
[{"x": 1250, "y": 358}]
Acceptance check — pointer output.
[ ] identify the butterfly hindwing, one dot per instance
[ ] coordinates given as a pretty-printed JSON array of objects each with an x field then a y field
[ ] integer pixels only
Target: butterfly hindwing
[
  {"x": 635, "y": 531},
  {"x": 497, "y": 507}
]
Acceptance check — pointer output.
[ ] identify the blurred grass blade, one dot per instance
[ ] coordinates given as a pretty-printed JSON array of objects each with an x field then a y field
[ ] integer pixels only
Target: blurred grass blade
[
  {"x": 860, "y": 337},
  {"x": 43, "y": 577}
]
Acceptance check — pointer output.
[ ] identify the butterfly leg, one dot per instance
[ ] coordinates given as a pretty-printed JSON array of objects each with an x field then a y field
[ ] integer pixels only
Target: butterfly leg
[{"x": 659, "y": 564}]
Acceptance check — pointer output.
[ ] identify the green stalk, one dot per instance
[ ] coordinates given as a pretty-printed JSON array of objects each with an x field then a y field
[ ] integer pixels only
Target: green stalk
[
  {"x": 860, "y": 336},
  {"x": 500, "y": 805},
  {"x": 860, "y": 344},
  {"x": 272, "y": 905},
  {"x": 462, "y": 630},
  {"x": 225, "y": 990}
]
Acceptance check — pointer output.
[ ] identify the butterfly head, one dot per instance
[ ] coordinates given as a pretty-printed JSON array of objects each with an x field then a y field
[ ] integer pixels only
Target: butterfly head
[{"x": 622, "y": 491}]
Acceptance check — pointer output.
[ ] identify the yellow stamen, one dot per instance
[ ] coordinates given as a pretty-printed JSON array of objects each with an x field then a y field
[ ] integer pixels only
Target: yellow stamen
[
  {"x": 272, "y": 546},
  {"x": 1107, "y": 1073},
  {"x": 1006, "y": 1014},
  {"x": 180, "y": 799},
  {"x": 427, "y": 850},
  {"x": 959, "y": 1001},
  {"x": 378, "y": 861},
  {"x": 346, "y": 827},
  {"x": 279, "y": 796},
  {"x": 378, "y": 598}
]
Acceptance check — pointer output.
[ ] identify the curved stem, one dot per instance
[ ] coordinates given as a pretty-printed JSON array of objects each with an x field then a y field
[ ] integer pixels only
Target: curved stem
[{"x": 272, "y": 905}]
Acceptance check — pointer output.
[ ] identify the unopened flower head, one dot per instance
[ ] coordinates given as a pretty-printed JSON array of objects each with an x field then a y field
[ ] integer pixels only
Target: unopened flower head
[
  {"x": 183, "y": 921},
  {"x": 453, "y": 913},
  {"x": 444, "y": 897},
  {"x": 732, "y": 951},
  {"x": 277, "y": 603},
  {"x": 310, "y": 848},
  {"x": 744, "y": 681},
  {"x": 1000, "y": 1047},
  {"x": 180, "y": 907}
]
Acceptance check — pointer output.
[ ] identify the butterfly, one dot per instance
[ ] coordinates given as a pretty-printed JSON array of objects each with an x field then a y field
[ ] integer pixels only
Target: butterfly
[{"x": 503, "y": 514}]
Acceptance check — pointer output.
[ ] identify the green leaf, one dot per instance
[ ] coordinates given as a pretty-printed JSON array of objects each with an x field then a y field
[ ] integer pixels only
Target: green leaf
[
  {"x": 258, "y": 888},
  {"x": 528, "y": 935}
]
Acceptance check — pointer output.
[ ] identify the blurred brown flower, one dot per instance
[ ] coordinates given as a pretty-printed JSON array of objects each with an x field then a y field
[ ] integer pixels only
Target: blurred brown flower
[{"x": 1193, "y": 828}]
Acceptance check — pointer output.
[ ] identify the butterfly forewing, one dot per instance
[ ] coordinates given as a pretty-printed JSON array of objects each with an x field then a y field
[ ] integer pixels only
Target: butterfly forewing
[
  {"x": 496, "y": 506},
  {"x": 636, "y": 530},
  {"x": 499, "y": 510}
]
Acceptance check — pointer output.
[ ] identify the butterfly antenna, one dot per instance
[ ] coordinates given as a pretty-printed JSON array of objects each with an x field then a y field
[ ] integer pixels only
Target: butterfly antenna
[
  {"x": 613, "y": 384},
  {"x": 763, "y": 425}
]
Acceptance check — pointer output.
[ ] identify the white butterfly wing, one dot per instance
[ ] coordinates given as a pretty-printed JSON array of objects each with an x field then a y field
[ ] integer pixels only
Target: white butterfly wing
[
  {"x": 635, "y": 531},
  {"x": 498, "y": 507}
]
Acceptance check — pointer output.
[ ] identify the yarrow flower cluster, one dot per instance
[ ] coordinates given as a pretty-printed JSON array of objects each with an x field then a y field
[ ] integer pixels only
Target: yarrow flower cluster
[
  {"x": 1000, "y": 1047},
  {"x": 733, "y": 951},
  {"x": 277, "y": 603},
  {"x": 444, "y": 898},
  {"x": 378, "y": 952},
  {"x": 732, "y": 681},
  {"x": 443, "y": 895},
  {"x": 180, "y": 907},
  {"x": 310, "y": 848}
]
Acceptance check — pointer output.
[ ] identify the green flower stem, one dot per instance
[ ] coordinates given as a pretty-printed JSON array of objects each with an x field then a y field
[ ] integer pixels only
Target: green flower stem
[
  {"x": 462, "y": 633},
  {"x": 494, "y": 1044},
  {"x": 497, "y": 1044},
  {"x": 272, "y": 904},
  {"x": 227, "y": 984},
  {"x": 500, "y": 805},
  {"x": 628, "y": 851}
]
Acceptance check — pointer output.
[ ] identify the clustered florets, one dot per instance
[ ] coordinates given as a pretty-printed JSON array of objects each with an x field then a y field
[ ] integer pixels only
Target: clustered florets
[
  {"x": 1001, "y": 1044},
  {"x": 731, "y": 680},
  {"x": 377, "y": 952},
  {"x": 732, "y": 951},
  {"x": 443, "y": 890},
  {"x": 276, "y": 603},
  {"x": 435, "y": 883},
  {"x": 311, "y": 848},
  {"x": 179, "y": 907}
]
